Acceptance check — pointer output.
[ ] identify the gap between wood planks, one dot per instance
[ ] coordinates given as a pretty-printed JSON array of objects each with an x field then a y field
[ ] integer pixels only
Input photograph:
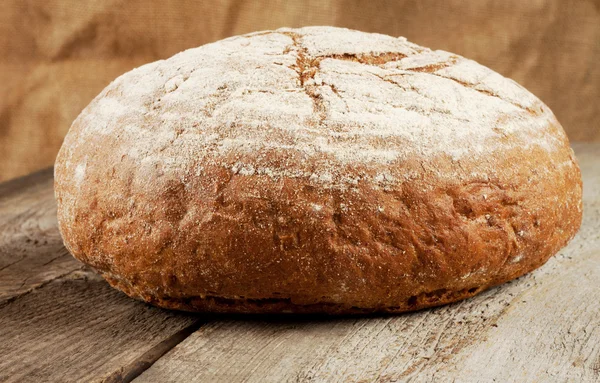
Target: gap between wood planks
[
  {"x": 131, "y": 371},
  {"x": 78, "y": 312}
]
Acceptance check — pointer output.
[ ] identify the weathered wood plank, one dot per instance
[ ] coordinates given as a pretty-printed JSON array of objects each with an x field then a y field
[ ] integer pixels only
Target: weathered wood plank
[
  {"x": 77, "y": 328},
  {"x": 33, "y": 183},
  {"x": 31, "y": 249},
  {"x": 542, "y": 327},
  {"x": 58, "y": 320}
]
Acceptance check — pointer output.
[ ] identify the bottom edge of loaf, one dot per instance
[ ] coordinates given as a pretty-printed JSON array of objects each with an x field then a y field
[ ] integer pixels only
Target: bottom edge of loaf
[
  {"x": 216, "y": 304},
  {"x": 284, "y": 305}
]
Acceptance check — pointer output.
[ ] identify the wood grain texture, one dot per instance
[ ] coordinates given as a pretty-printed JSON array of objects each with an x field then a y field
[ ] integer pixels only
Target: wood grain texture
[
  {"x": 542, "y": 327},
  {"x": 56, "y": 55},
  {"x": 59, "y": 321},
  {"x": 31, "y": 249},
  {"x": 77, "y": 328}
]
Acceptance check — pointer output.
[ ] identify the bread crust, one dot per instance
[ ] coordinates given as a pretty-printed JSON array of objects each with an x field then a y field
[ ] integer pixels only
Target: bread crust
[{"x": 282, "y": 229}]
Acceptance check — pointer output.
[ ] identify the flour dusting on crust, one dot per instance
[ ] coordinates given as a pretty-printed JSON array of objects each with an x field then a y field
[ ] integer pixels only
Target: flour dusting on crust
[{"x": 312, "y": 102}]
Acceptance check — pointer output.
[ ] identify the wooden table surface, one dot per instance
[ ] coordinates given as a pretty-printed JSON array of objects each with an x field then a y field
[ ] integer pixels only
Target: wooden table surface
[{"x": 60, "y": 322}]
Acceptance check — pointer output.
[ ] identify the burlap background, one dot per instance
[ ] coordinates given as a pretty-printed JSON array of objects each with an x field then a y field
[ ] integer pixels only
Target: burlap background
[{"x": 55, "y": 56}]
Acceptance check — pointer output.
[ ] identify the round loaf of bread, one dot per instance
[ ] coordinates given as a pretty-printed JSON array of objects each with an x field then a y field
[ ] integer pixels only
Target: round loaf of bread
[{"x": 315, "y": 170}]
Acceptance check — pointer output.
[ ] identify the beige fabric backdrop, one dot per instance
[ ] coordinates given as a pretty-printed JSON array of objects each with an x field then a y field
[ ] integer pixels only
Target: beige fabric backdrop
[{"x": 55, "y": 56}]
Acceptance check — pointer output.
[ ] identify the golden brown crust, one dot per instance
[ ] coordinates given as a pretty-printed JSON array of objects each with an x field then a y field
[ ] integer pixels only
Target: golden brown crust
[{"x": 438, "y": 229}]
